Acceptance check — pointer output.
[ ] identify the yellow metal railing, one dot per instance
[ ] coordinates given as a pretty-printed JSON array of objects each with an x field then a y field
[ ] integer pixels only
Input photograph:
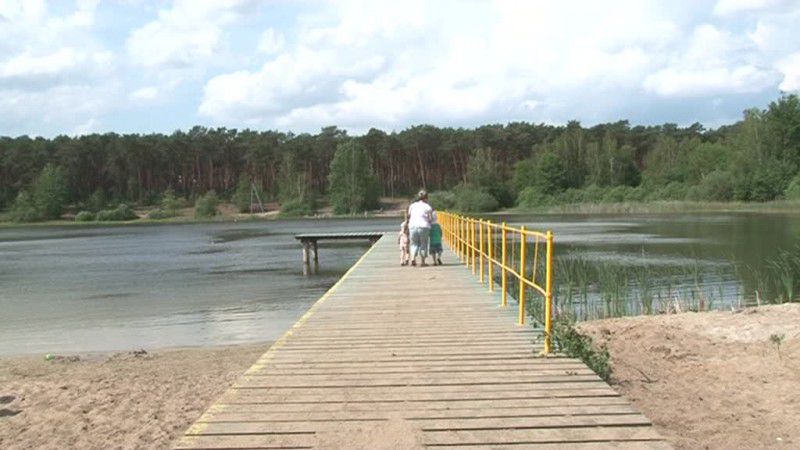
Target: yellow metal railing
[{"x": 475, "y": 241}]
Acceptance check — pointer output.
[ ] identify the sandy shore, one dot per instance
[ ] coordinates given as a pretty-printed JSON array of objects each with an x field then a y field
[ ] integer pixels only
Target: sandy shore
[
  {"x": 120, "y": 400},
  {"x": 716, "y": 380}
]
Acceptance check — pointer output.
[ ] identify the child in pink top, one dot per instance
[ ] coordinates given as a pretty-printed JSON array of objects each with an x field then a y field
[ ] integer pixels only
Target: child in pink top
[{"x": 402, "y": 240}]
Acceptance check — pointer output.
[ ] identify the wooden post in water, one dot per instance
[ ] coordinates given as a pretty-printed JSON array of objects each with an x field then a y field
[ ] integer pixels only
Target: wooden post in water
[{"x": 305, "y": 252}]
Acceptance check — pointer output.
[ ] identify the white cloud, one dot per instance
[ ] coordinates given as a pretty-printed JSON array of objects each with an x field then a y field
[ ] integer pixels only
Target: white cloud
[
  {"x": 271, "y": 42},
  {"x": 144, "y": 94},
  {"x": 85, "y": 127},
  {"x": 54, "y": 73},
  {"x": 707, "y": 82},
  {"x": 374, "y": 63},
  {"x": 189, "y": 33},
  {"x": 790, "y": 69},
  {"x": 726, "y": 7},
  {"x": 712, "y": 62}
]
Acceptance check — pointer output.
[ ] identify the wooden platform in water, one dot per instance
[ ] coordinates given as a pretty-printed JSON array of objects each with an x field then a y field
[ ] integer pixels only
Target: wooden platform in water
[{"x": 405, "y": 357}]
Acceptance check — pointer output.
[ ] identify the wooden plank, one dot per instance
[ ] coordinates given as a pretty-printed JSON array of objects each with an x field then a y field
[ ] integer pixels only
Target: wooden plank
[
  {"x": 415, "y": 407},
  {"x": 564, "y": 434},
  {"x": 501, "y": 425},
  {"x": 232, "y": 415},
  {"x": 429, "y": 349},
  {"x": 287, "y": 396},
  {"x": 523, "y": 382},
  {"x": 613, "y": 445}
]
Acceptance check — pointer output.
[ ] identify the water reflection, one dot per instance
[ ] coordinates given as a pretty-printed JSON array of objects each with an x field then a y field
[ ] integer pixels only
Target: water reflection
[
  {"x": 153, "y": 286},
  {"x": 633, "y": 264},
  {"x": 77, "y": 289}
]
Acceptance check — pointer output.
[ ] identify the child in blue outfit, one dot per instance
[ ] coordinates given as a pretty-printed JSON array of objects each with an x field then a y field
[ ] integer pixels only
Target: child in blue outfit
[{"x": 435, "y": 245}]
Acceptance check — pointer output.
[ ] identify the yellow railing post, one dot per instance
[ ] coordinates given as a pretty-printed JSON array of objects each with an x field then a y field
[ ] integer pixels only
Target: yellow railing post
[
  {"x": 480, "y": 248},
  {"x": 522, "y": 239},
  {"x": 465, "y": 229},
  {"x": 490, "y": 252},
  {"x": 503, "y": 272},
  {"x": 548, "y": 304},
  {"x": 472, "y": 243}
]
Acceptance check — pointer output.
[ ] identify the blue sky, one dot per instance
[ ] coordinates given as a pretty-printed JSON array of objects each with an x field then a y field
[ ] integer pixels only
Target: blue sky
[{"x": 155, "y": 66}]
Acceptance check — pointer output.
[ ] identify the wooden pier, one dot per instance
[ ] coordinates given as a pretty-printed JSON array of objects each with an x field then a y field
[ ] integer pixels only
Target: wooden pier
[
  {"x": 415, "y": 357},
  {"x": 309, "y": 241}
]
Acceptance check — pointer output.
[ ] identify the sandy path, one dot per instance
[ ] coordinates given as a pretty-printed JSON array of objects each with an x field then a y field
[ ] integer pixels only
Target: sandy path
[
  {"x": 711, "y": 380},
  {"x": 115, "y": 400}
]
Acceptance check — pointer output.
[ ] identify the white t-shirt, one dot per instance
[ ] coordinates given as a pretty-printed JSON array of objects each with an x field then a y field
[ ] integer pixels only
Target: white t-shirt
[{"x": 419, "y": 215}]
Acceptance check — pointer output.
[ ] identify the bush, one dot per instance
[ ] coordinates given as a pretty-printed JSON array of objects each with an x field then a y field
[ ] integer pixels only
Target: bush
[
  {"x": 206, "y": 206},
  {"x": 717, "y": 186},
  {"x": 96, "y": 201},
  {"x": 23, "y": 209},
  {"x": 503, "y": 195},
  {"x": 472, "y": 199},
  {"x": 442, "y": 200},
  {"x": 792, "y": 192},
  {"x": 84, "y": 216},
  {"x": 170, "y": 203},
  {"x": 569, "y": 341},
  {"x": 672, "y": 191},
  {"x": 593, "y": 194},
  {"x": 532, "y": 197},
  {"x": 120, "y": 213},
  {"x": 159, "y": 213},
  {"x": 637, "y": 194},
  {"x": 297, "y": 208},
  {"x": 242, "y": 196},
  {"x": 616, "y": 194}
]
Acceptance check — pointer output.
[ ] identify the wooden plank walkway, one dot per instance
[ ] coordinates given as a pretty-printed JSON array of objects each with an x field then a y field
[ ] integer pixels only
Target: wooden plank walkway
[{"x": 410, "y": 357}]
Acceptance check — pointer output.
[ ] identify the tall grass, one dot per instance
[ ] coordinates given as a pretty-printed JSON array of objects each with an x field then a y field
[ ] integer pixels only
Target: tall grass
[{"x": 586, "y": 289}]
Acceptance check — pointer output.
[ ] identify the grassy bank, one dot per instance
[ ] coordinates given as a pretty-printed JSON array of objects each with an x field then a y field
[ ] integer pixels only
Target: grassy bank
[{"x": 661, "y": 207}]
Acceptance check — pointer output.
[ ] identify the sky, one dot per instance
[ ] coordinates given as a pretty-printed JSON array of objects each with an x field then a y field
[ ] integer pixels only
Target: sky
[{"x": 137, "y": 66}]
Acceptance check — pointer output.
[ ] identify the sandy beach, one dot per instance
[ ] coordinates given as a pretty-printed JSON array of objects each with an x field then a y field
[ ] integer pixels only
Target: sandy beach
[
  {"x": 113, "y": 400},
  {"x": 711, "y": 380}
]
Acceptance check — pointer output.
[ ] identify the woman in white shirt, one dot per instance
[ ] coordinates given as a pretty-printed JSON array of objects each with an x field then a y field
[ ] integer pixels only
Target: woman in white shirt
[{"x": 420, "y": 215}]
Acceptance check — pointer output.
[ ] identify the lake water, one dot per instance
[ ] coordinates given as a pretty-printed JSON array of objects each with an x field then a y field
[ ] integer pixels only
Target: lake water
[
  {"x": 648, "y": 263},
  {"x": 66, "y": 289},
  {"x": 70, "y": 289}
]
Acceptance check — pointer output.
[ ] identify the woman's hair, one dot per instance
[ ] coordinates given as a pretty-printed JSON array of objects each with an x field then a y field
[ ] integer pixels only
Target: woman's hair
[{"x": 422, "y": 194}]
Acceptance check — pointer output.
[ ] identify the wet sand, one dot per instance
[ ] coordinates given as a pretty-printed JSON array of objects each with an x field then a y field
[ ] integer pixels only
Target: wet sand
[{"x": 113, "y": 400}]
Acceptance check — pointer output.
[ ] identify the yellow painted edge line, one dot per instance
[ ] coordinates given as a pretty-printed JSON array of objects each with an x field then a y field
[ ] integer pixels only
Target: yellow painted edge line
[
  {"x": 266, "y": 357},
  {"x": 199, "y": 426}
]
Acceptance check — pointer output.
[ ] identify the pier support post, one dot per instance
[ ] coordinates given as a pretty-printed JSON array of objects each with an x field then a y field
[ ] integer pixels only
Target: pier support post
[
  {"x": 316, "y": 252},
  {"x": 305, "y": 252}
]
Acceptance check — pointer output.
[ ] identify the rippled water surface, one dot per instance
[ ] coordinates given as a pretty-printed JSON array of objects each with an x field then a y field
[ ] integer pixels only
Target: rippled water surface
[
  {"x": 68, "y": 289},
  {"x": 121, "y": 287}
]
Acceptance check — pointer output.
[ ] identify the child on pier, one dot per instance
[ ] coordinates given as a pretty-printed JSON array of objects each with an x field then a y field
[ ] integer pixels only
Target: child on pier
[
  {"x": 436, "y": 241},
  {"x": 402, "y": 240}
]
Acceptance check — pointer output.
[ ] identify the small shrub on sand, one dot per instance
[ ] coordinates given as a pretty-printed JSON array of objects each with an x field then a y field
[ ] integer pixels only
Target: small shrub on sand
[
  {"x": 84, "y": 216},
  {"x": 120, "y": 213},
  {"x": 569, "y": 341},
  {"x": 206, "y": 206}
]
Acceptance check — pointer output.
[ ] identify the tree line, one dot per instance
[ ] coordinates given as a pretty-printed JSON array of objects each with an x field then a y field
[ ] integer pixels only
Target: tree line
[{"x": 482, "y": 168}]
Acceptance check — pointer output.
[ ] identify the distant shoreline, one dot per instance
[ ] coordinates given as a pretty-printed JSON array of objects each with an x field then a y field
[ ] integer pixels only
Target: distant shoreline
[{"x": 656, "y": 207}]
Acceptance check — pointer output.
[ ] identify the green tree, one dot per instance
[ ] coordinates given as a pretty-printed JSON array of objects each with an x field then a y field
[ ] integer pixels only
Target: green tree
[
  {"x": 23, "y": 209},
  {"x": 551, "y": 175},
  {"x": 243, "y": 194},
  {"x": 352, "y": 187},
  {"x": 206, "y": 206},
  {"x": 50, "y": 192}
]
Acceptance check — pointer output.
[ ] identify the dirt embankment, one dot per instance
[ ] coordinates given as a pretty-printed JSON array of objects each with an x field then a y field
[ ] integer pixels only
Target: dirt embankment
[
  {"x": 124, "y": 400},
  {"x": 716, "y": 380}
]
